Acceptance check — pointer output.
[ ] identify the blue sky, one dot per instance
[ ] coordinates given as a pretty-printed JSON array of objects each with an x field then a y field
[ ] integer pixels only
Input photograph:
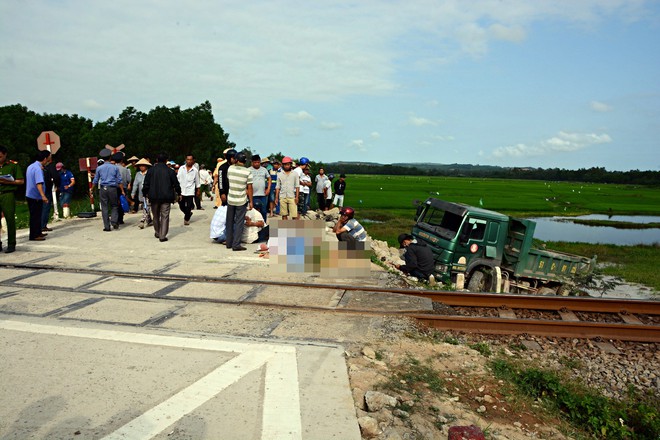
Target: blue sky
[{"x": 553, "y": 83}]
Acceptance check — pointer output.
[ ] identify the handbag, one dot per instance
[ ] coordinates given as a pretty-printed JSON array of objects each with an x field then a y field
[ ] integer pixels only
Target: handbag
[{"x": 124, "y": 203}]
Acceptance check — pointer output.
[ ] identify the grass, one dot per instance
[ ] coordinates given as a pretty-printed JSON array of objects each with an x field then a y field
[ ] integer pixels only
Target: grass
[
  {"x": 391, "y": 211},
  {"x": 637, "y": 417},
  {"x": 513, "y": 197},
  {"x": 23, "y": 215},
  {"x": 414, "y": 375},
  {"x": 616, "y": 224},
  {"x": 387, "y": 203}
]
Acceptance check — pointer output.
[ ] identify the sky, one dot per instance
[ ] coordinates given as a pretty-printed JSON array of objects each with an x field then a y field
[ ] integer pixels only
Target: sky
[{"x": 544, "y": 83}]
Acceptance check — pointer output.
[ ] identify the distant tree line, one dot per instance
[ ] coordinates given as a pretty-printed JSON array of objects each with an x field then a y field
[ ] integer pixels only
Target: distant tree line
[
  {"x": 179, "y": 132},
  {"x": 593, "y": 175},
  {"x": 175, "y": 131}
]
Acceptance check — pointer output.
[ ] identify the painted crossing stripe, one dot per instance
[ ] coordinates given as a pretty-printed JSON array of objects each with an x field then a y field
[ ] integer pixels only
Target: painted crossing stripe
[{"x": 281, "y": 405}]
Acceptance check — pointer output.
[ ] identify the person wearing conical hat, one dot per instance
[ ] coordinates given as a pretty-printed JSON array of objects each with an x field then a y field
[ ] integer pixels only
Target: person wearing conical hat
[
  {"x": 216, "y": 178},
  {"x": 138, "y": 183},
  {"x": 132, "y": 167}
]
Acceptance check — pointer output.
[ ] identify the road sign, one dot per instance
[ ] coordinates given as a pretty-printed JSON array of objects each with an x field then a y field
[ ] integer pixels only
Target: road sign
[
  {"x": 88, "y": 163},
  {"x": 110, "y": 150},
  {"x": 48, "y": 140}
]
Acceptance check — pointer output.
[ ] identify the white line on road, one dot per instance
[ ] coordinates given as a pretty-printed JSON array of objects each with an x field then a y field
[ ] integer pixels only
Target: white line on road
[
  {"x": 281, "y": 413},
  {"x": 281, "y": 418},
  {"x": 157, "y": 419}
]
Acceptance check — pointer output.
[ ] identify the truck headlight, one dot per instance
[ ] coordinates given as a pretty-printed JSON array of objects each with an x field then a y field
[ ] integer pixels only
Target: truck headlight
[{"x": 441, "y": 268}]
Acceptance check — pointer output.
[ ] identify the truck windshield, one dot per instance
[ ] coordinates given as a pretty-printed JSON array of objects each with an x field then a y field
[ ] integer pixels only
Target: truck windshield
[{"x": 443, "y": 223}]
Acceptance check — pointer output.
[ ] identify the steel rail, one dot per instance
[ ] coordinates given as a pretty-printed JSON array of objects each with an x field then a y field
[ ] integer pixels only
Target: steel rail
[
  {"x": 565, "y": 329},
  {"x": 464, "y": 299},
  {"x": 560, "y": 328},
  {"x": 535, "y": 302}
]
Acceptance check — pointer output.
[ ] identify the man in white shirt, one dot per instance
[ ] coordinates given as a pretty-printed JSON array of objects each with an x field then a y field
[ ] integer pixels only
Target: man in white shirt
[
  {"x": 205, "y": 181},
  {"x": 305, "y": 189},
  {"x": 327, "y": 190},
  {"x": 255, "y": 226},
  {"x": 319, "y": 181},
  {"x": 189, "y": 180}
]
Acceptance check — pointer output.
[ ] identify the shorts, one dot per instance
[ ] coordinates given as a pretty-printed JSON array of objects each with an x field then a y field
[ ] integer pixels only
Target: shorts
[
  {"x": 288, "y": 207},
  {"x": 338, "y": 200}
]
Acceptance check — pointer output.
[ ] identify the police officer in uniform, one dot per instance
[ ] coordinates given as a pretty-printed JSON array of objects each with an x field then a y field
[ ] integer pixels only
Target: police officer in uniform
[{"x": 11, "y": 177}]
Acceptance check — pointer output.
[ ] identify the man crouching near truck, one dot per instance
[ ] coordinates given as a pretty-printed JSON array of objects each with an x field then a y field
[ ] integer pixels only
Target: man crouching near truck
[{"x": 419, "y": 259}]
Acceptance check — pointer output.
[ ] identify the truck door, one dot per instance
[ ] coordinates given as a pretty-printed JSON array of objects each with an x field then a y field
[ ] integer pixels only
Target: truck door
[{"x": 471, "y": 240}]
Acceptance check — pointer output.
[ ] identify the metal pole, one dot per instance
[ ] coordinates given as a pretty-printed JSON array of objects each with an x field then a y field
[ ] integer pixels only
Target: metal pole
[
  {"x": 56, "y": 214},
  {"x": 91, "y": 187}
]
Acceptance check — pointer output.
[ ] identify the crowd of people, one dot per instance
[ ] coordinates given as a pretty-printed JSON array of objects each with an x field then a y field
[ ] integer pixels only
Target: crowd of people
[{"x": 244, "y": 197}]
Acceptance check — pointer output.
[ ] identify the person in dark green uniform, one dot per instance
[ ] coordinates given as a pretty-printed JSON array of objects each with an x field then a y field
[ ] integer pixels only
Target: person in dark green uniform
[{"x": 11, "y": 177}]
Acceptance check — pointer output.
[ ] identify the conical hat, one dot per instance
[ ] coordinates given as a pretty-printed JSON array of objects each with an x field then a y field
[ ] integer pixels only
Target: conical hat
[{"x": 143, "y": 161}]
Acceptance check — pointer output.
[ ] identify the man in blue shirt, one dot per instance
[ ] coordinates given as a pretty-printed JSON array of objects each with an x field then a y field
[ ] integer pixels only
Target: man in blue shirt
[
  {"x": 109, "y": 180},
  {"x": 35, "y": 194},
  {"x": 67, "y": 181}
]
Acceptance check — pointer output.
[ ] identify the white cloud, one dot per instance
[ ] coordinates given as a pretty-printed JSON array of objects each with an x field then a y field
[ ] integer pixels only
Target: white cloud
[
  {"x": 514, "y": 34},
  {"x": 564, "y": 142},
  {"x": 253, "y": 113},
  {"x": 299, "y": 116},
  {"x": 275, "y": 51},
  {"x": 374, "y": 135},
  {"x": 358, "y": 144},
  {"x": 243, "y": 118},
  {"x": 442, "y": 138},
  {"x": 330, "y": 125},
  {"x": 420, "y": 122},
  {"x": 600, "y": 107},
  {"x": 92, "y": 104}
]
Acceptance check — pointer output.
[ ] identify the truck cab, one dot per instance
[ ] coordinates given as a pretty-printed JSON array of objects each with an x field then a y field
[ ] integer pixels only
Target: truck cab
[
  {"x": 492, "y": 250},
  {"x": 454, "y": 230}
]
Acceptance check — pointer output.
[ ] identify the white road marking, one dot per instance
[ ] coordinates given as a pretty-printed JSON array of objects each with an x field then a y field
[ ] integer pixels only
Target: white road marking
[{"x": 281, "y": 406}]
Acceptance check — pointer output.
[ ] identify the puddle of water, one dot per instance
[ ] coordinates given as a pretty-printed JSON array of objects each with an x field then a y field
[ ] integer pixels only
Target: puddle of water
[{"x": 553, "y": 229}]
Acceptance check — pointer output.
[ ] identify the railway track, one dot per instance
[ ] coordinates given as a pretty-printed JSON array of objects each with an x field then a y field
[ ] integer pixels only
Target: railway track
[{"x": 571, "y": 317}]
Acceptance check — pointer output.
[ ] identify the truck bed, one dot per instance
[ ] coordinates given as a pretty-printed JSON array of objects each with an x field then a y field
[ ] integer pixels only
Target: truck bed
[{"x": 523, "y": 260}]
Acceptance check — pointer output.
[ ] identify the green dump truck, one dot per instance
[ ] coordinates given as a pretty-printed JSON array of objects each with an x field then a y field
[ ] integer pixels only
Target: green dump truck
[{"x": 492, "y": 252}]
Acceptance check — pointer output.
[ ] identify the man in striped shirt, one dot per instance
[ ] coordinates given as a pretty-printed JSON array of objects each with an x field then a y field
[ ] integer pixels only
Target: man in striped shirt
[
  {"x": 239, "y": 200},
  {"x": 347, "y": 228}
]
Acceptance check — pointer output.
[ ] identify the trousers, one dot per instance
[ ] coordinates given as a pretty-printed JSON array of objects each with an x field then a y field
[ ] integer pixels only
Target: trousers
[
  {"x": 187, "y": 204},
  {"x": 35, "y": 206},
  {"x": 161, "y": 217},
  {"x": 8, "y": 208},
  {"x": 234, "y": 225},
  {"x": 109, "y": 205}
]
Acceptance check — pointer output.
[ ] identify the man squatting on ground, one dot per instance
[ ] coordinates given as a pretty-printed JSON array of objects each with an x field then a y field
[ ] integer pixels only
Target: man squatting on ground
[
  {"x": 347, "y": 228},
  {"x": 418, "y": 257}
]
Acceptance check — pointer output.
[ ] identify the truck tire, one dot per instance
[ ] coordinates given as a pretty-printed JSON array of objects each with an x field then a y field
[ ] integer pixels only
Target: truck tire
[
  {"x": 547, "y": 291},
  {"x": 479, "y": 282}
]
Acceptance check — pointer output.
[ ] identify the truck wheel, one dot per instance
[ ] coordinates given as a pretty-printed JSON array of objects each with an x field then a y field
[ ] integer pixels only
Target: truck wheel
[{"x": 479, "y": 282}]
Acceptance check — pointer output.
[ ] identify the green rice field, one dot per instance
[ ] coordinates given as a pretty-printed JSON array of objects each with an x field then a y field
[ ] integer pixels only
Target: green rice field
[
  {"x": 513, "y": 197},
  {"x": 386, "y": 207}
]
